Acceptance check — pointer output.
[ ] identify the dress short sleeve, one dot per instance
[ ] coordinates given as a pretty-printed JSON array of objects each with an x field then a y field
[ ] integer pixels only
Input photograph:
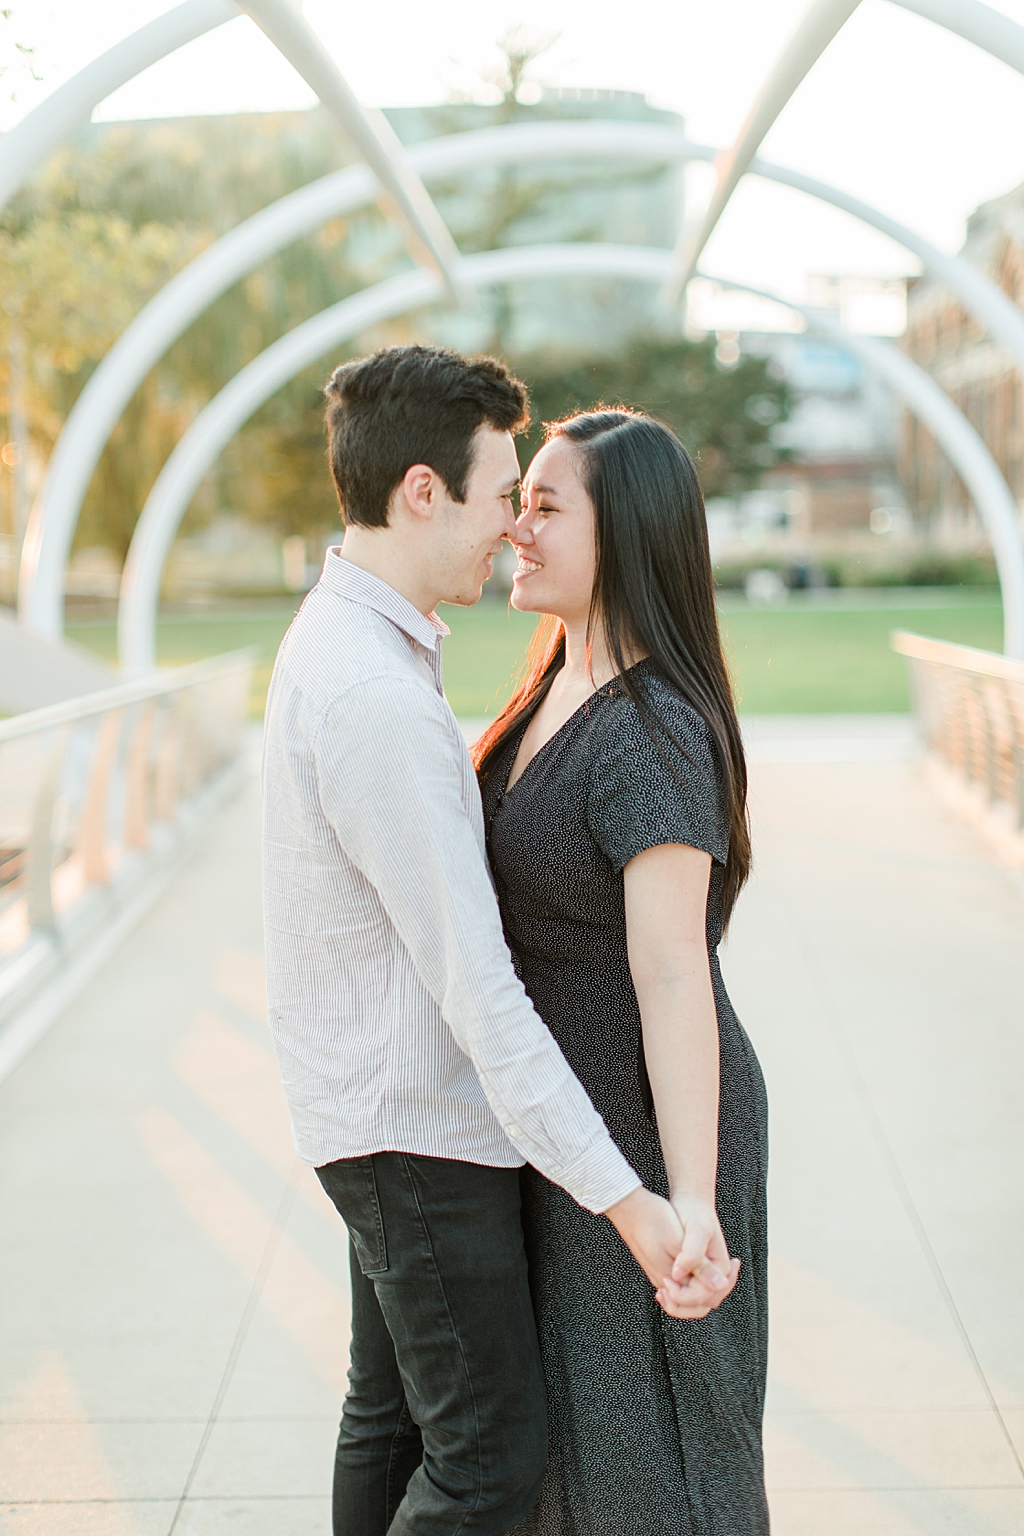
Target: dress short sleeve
[{"x": 649, "y": 790}]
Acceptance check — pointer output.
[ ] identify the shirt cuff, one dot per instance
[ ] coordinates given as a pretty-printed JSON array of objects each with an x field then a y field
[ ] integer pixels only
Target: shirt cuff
[{"x": 600, "y": 1178}]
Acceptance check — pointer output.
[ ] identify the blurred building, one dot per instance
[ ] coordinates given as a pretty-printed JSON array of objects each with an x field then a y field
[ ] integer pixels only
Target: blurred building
[
  {"x": 838, "y": 494},
  {"x": 552, "y": 201},
  {"x": 973, "y": 370}
]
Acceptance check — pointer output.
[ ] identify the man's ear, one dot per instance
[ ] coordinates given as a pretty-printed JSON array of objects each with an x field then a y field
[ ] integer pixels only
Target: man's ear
[{"x": 421, "y": 489}]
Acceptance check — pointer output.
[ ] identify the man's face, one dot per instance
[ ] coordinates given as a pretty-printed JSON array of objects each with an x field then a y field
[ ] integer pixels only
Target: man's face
[{"x": 471, "y": 532}]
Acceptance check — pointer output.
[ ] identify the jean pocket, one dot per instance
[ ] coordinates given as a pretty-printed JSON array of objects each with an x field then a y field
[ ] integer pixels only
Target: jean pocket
[{"x": 352, "y": 1185}]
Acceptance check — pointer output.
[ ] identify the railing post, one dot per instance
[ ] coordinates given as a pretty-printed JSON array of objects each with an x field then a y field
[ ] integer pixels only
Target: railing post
[
  {"x": 39, "y": 853},
  {"x": 137, "y": 797},
  {"x": 988, "y": 735},
  {"x": 166, "y": 797},
  {"x": 93, "y": 839}
]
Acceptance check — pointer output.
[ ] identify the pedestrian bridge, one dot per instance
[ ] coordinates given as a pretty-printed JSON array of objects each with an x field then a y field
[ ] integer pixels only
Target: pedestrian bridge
[
  {"x": 173, "y": 1327},
  {"x": 173, "y": 1315}
]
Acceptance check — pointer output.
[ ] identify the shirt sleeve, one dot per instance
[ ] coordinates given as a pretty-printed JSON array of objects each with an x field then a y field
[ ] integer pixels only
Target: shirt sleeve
[
  {"x": 390, "y": 766},
  {"x": 648, "y": 790}
]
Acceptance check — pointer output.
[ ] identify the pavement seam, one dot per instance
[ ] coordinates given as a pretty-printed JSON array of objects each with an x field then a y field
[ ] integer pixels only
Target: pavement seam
[{"x": 256, "y": 1291}]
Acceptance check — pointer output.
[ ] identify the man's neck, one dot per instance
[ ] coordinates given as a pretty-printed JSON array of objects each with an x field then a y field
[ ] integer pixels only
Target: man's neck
[{"x": 376, "y": 551}]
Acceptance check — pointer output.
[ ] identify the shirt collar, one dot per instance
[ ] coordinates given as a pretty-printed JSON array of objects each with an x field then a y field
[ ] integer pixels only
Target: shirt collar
[{"x": 351, "y": 582}]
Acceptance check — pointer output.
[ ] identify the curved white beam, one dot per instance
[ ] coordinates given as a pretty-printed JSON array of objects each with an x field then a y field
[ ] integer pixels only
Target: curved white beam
[
  {"x": 369, "y": 131},
  {"x": 29, "y": 142},
  {"x": 215, "y": 426},
  {"x": 803, "y": 50},
  {"x": 976, "y": 23},
  {"x": 173, "y": 309}
]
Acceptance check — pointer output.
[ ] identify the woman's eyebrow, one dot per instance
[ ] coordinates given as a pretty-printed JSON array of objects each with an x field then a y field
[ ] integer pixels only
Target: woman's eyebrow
[{"x": 545, "y": 490}]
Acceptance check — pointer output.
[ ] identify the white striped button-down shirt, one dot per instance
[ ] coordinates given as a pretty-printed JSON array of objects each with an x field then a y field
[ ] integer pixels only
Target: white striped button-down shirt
[{"x": 399, "y": 1022}]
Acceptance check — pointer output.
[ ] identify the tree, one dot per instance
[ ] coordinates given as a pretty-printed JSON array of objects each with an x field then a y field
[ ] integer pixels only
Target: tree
[
  {"x": 724, "y": 416},
  {"x": 86, "y": 243}
]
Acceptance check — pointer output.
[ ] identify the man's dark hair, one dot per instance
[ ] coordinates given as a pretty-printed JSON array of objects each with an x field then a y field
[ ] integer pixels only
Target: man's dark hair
[{"x": 412, "y": 405}]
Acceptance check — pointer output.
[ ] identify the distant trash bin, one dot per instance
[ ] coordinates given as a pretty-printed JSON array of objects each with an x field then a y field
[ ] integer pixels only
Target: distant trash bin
[{"x": 803, "y": 576}]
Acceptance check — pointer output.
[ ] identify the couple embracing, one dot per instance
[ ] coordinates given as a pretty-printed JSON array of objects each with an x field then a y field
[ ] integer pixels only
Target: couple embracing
[{"x": 479, "y": 963}]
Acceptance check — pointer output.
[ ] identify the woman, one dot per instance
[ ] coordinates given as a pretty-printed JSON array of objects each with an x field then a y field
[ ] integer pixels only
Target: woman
[{"x": 614, "y": 794}]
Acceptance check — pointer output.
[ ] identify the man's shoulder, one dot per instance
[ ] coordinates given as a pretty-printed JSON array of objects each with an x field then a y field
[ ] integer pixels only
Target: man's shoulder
[{"x": 340, "y": 654}]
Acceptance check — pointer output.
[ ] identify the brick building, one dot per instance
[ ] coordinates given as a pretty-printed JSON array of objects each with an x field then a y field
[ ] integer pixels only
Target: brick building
[{"x": 974, "y": 371}]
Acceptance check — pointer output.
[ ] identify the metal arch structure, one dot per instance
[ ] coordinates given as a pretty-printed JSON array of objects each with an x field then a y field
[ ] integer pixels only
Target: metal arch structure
[
  {"x": 283, "y": 24},
  {"x": 976, "y": 23},
  {"x": 167, "y": 315},
  {"x": 427, "y": 236},
  {"x": 813, "y": 35},
  {"x": 25, "y": 147},
  {"x": 989, "y": 30},
  {"x": 214, "y": 426},
  {"x": 371, "y": 133},
  {"x": 30, "y": 141}
]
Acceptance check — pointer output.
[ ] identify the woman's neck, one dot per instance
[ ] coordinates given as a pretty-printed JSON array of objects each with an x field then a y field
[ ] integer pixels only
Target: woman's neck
[{"x": 597, "y": 668}]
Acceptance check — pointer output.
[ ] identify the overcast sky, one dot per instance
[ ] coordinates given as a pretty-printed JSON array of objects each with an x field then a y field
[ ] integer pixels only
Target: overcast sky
[{"x": 897, "y": 111}]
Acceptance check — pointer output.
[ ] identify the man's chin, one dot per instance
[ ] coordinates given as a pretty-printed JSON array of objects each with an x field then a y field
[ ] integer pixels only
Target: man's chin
[{"x": 468, "y": 597}]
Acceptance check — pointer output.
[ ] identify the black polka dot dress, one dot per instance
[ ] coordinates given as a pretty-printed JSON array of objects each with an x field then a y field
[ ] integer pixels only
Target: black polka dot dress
[{"x": 655, "y": 1423}]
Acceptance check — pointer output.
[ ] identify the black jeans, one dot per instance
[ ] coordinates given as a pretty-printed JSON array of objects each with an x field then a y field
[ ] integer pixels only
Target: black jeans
[{"x": 444, "y": 1431}]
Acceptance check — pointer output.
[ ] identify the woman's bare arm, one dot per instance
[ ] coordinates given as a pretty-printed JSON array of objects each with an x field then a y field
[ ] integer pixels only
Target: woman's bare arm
[{"x": 666, "y": 890}]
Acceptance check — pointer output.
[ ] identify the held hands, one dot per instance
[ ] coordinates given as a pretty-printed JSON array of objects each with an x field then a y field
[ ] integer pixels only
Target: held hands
[
  {"x": 703, "y": 1274},
  {"x": 680, "y": 1249}
]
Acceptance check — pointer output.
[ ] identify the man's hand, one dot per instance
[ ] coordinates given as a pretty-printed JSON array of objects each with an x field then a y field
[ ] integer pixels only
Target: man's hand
[
  {"x": 703, "y": 1274},
  {"x": 680, "y": 1248},
  {"x": 651, "y": 1231}
]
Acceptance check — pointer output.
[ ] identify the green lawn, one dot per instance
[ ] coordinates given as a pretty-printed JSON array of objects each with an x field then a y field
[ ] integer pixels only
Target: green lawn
[
  {"x": 800, "y": 659},
  {"x": 816, "y": 660},
  {"x": 190, "y": 638}
]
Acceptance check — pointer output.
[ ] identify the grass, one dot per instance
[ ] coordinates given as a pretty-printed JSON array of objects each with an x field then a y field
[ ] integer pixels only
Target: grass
[
  {"x": 186, "y": 638},
  {"x": 801, "y": 658},
  {"x": 837, "y": 660}
]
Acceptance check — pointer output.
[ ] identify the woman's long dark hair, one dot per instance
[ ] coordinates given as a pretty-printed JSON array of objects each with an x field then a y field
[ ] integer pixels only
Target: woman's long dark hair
[{"x": 653, "y": 595}]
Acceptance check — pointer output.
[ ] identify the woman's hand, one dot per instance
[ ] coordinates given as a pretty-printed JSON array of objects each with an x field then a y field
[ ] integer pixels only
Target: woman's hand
[{"x": 703, "y": 1273}]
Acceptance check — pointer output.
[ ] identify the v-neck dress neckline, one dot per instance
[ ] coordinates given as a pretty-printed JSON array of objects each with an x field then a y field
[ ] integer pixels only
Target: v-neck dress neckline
[{"x": 606, "y": 690}]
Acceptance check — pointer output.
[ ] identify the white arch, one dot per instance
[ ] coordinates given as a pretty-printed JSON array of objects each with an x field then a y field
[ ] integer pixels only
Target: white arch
[
  {"x": 804, "y": 48},
  {"x": 989, "y": 30},
  {"x": 215, "y": 426},
  {"x": 40, "y": 131},
  {"x": 430, "y": 239},
  {"x": 167, "y": 315},
  {"x": 30, "y": 141},
  {"x": 48, "y": 537},
  {"x": 969, "y": 19}
]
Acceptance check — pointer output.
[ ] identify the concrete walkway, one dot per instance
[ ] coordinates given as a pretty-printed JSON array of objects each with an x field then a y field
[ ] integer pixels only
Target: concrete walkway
[{"x": 173, "y": 1311}]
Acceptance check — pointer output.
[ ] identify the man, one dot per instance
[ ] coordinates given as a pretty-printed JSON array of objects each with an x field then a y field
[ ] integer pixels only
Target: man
[{"x": 417, "y": 1072}]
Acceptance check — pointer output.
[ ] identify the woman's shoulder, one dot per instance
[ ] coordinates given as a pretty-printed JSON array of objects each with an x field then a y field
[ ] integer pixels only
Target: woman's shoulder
[
  {"x": 661, "y": 704},
  {"x": 656, "y": 778}
]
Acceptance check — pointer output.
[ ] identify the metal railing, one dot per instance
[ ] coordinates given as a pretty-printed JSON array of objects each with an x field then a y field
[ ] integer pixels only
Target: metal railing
[
  {"x": 97, "y": 797},
  {"x": 970, "y": 709}
]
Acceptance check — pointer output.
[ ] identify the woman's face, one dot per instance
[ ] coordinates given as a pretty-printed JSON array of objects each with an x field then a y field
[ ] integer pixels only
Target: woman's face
[{"x": 555, "y": 538}]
